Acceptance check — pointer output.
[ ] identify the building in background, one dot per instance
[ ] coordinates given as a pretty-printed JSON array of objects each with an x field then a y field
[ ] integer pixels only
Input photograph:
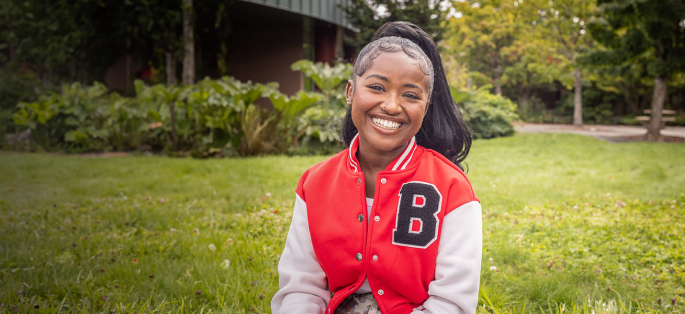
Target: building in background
[{"x": 266, "y": 37}]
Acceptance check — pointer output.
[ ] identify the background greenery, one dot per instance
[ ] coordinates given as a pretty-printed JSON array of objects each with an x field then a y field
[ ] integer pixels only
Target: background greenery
[
  {"x": 216, "y": 117},
  {"x": 211, "y": 118},
  {"x": 571, "y": 223}
]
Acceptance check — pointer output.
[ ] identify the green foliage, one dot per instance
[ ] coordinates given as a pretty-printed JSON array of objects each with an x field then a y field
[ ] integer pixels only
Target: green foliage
[
  {"x": 14, "y": 87},
  {"x": 630, "y": 30},
  {"x": 532, "y": 110},
  {"x": 290, "y": 109},
  {"x": 322, "y": 131},
  {"x": 79, "y": 119},
  {"x": 480, "y": 36},
  {"x": 326, "y": 78},
  {"x": 556, "y": 209},
  {"x": 319, "y": 126},
  {"x": 487, "y": 115},
  {"x": 598, "y": 105},
  {"x": 362, "y": 14},
  {"x": 78, "y": 40},
  {"x": 212, "y": 117}
]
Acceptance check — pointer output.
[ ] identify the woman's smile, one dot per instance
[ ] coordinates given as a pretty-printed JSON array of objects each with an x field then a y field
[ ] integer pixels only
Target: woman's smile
[{"x": 386, "y": 124}]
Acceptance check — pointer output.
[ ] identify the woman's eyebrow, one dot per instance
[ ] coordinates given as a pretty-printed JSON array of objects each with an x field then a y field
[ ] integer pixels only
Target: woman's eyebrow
[
  {"x": 413, "y": 86},
  {"x": 378, "y": 76}
]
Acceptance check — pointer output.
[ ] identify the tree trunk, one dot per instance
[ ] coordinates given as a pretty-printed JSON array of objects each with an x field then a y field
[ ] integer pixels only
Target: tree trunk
[
  {"x": 498, "y": 87},
  {"x": 578, "y": 98},
  {"x": 127, "y": 86},
  {"x": 524, "y": 93},
  {"x": 188, "y": 43},
  {"x": 496, "y": 75},
  {"x": 174, "y": 137},
  {"x": 658, "y": 100},
  {"x": 170, "y": 69}
]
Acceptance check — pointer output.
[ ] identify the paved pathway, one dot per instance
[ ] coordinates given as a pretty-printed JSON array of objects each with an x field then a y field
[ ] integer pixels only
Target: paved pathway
[{"x": 612, "y": 133}]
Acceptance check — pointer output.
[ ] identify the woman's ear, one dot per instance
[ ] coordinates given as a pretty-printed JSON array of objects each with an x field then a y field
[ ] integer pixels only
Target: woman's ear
[{"x": 349, "y": 92}]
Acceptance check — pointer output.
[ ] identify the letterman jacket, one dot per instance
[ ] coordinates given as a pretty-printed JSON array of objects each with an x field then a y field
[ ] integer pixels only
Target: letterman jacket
[{"x": 420, "y": 248}]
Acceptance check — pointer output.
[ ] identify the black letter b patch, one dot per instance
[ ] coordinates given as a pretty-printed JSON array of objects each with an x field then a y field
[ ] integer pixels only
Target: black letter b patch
[{"x": 417, "y": 215}]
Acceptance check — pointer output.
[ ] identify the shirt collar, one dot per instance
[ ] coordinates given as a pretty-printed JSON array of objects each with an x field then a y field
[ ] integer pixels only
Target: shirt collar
[{"x": 400, "y": 163}]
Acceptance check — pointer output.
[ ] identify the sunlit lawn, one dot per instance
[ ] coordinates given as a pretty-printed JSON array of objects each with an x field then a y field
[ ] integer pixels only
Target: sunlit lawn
[{"x": 570, "y": 222}]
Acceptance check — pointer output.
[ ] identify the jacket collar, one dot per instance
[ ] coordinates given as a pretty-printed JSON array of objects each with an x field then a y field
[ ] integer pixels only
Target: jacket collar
[{"x": 400, "y": 163}]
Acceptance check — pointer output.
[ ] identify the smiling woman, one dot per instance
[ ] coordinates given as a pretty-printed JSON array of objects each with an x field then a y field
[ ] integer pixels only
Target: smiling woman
[
  {"x": 391, "y": 224},
  {"x": 390, "y": 96}
]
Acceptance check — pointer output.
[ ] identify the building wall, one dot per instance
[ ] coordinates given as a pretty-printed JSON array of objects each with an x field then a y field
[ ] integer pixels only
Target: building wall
[
  {"x": 265, "y": 40},
  {"x": 265, "y": 56},
  {"x": 116, "y": 77}
]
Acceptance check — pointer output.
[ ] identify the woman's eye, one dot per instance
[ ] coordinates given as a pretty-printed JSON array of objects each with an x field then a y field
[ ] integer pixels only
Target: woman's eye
[
  {"x": 376, "y": 87},
  {"x": 412, "y": 96}
]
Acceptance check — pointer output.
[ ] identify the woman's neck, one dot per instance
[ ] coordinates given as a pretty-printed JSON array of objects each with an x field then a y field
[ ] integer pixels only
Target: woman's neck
[{"x": 372, "y": 160}]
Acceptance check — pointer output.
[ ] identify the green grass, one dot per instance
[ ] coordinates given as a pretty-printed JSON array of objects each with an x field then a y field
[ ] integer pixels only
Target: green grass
[{"x": 572, "y": 224}]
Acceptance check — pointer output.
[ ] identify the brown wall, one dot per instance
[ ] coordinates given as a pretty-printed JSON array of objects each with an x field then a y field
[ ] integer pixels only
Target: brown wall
[
  {"x": 264, "y": 43},
  {"x": 116, "y": 77},
  {"x": 266, "y": 55}
]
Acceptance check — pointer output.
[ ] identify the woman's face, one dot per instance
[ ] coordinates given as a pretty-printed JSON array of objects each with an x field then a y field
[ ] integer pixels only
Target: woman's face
[{"x": 388, "y": 102}]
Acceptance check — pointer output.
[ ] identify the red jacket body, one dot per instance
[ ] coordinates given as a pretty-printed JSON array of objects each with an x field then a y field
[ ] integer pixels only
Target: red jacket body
[{"x": 396, "y": 246}]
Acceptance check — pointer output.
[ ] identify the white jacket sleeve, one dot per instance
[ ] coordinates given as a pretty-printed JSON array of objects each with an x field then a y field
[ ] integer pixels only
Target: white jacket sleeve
[
  {"x": 457, "y": 268},
  {"x": 303, "y": 287}
]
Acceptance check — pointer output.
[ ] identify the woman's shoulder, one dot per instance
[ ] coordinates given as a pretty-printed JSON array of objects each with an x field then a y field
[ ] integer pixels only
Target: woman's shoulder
[
  {"x": 329, "y": 164},
  {"x": 453, "y": 180},
  {"x": 323, "y": 171}
]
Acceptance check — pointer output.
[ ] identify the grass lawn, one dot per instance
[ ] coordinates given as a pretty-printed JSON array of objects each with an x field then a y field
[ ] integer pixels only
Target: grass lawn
[{"x": 571, "y": 224}]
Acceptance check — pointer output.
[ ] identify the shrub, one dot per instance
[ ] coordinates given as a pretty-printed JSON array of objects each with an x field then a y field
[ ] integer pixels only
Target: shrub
[
  {"x": 532, "y": 110},
  {"x": 73, "y": 120},
  {"x": 487, "y": 115},
  {"x": 328, "y": 79},
  {"x": 14, "y": 87},
  {"x": 320, "y": 125},
  {"x": 212, "y": 117},
  {"x": 321, "y": 128}
]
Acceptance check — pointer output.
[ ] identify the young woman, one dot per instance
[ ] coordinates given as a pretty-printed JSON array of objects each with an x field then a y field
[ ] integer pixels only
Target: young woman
[{"x": 391, "y": 224}]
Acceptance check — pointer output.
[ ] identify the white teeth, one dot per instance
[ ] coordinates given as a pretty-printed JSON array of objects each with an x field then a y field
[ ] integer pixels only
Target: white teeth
[{"x": 386, "y": 124}]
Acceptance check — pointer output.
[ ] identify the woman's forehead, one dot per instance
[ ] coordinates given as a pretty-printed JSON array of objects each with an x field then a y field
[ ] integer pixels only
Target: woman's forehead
[{"x": 397, "y": 65}]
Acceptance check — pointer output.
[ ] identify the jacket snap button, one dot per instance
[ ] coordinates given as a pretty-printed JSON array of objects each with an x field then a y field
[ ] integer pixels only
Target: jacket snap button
[
  {"x": 360, "y": 217},
  {"x": 375, "y": 257},
  {"x": 377, "y": 218},
  {"x": 383, "y": 180},
  {"x": 380, "y": 292},
  {"x": 359, "y": 256},
  {"x": 359, "y": 181}
]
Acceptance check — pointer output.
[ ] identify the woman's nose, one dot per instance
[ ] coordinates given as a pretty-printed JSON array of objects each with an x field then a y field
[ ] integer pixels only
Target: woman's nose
[{"x": 392, "y": 106}]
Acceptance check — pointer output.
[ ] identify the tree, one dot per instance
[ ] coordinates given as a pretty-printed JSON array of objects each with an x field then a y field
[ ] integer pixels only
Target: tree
[
  {"x": 188, "y": 43},
  {"x": 563, "y": 24},
  {"x": 480, "y": 34},
  {"x": 650, "y": 32},
  {"x": 530, "y": 64},
  {"x": 369, "y": 15},
  {"x": 62, "y": 39}
]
